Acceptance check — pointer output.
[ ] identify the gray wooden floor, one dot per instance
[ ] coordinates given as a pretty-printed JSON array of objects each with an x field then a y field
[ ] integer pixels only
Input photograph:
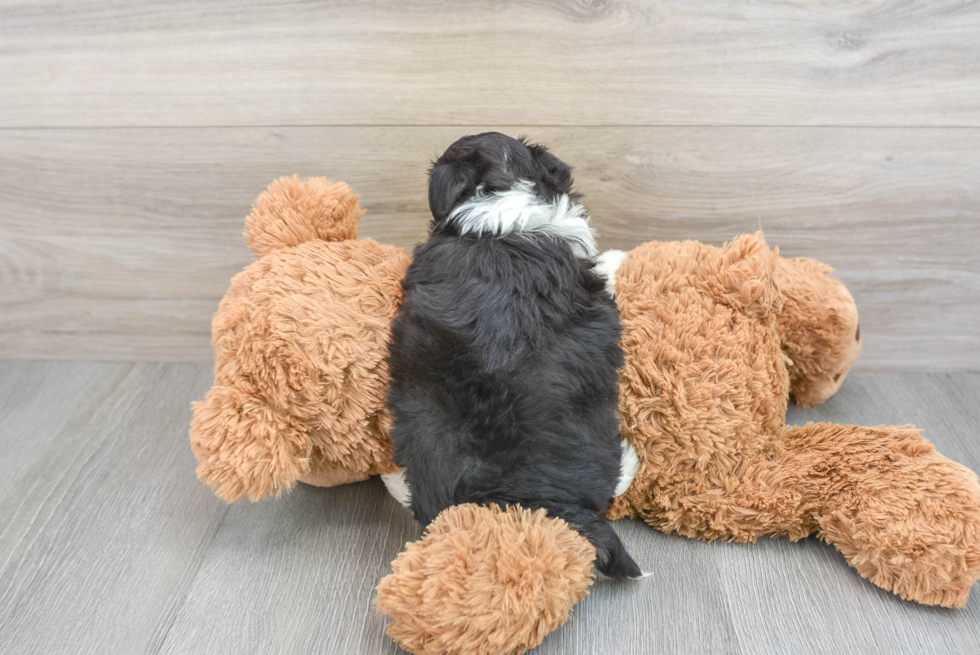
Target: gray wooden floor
[{"x": 109, "y": 544}]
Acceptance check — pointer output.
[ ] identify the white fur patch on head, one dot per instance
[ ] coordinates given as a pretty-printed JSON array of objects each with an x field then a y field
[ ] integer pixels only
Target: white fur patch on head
[
  {"x": 629, "y": 465},
  {"x": 606, "y": 265},
  {"x": 521, "y": 210},
  {"x": 397, "y": 486}
]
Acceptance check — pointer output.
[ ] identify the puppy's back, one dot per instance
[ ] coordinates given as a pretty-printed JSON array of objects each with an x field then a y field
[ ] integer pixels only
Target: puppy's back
[{"x": 504, "y": 361}]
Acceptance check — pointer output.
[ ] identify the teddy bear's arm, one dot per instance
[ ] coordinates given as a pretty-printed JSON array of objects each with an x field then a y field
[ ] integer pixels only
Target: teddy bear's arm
[
  {"x": 244, "y": 447},
  {"x": 818, "y": 327}
]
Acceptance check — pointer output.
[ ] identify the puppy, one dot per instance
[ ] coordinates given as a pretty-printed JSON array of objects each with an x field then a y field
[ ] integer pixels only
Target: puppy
[{"x": 505, "y": 350}]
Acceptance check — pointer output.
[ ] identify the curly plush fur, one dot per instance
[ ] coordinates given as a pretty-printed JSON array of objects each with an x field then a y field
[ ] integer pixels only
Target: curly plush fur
[{"x": 485, "y": 581}]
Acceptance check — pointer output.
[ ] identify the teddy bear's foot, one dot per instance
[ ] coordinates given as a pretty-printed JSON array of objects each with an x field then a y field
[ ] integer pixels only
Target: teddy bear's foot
[
  {"x": 325, "y": 472},
  {"x": 904, "y": 516},
  {"x": 485, "y": 581},
  {"x": 900, "y": 559}
]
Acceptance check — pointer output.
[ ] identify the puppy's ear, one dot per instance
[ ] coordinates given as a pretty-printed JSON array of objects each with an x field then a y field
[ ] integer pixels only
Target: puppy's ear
[
  {"x": 555, "y": 174},
  {"x": 449, "y": 184}
]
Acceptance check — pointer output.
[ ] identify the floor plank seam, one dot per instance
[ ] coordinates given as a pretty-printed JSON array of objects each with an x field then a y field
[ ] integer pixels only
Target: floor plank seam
[{"x": 185, "y": 593}]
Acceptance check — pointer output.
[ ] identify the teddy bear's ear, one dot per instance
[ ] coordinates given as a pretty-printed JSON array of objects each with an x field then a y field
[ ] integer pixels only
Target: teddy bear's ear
[
  {"x": 743, "y": 276},
  {"x": 291, "y": 211}
]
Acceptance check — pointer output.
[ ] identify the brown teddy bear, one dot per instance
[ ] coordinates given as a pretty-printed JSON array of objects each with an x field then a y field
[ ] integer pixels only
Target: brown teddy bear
[{"x": 715, "y": 341}]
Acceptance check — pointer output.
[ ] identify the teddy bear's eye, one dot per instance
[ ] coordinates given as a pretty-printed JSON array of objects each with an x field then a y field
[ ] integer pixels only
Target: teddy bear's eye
[
  {"x": 837, "y": 377},
  {"x": 857, "y": 335}
]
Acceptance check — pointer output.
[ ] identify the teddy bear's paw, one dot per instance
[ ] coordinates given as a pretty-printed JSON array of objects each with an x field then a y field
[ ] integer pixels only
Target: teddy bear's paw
[{"x": 246, "y": 448}]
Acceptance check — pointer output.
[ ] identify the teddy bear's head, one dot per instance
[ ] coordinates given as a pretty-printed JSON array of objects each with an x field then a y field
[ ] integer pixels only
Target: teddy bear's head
[
  {"x": 818, "y": 327},
  {"x": 300, "y": 342}
]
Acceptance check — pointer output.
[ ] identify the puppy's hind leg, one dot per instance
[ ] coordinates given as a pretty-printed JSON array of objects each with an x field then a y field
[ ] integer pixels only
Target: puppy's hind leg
[
  {"x": 397, "y": 485},
  {"x": 629, "y": 465}
]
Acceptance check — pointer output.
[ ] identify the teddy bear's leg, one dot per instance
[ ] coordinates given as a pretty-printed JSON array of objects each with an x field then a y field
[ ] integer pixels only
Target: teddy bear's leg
[
  {"x": 245, "y": 447},
  {"x": 904, "y": 516}
]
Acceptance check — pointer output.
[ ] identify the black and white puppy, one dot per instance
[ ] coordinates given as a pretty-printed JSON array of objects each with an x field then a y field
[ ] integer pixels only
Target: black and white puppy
[{"x": 505, "y": 350}]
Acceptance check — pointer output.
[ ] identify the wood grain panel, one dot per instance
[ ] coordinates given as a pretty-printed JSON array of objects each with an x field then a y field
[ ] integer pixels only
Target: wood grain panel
[
  {"x": 118, "y": 243},
  {"x": 684, "y": 606},
  {"x": 536, "y": 62}
]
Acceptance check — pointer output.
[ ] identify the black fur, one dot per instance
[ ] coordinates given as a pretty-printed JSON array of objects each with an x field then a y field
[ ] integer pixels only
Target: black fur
[
  {"x": 503, "y": 360},
  {"x": 495, "y": 162}
]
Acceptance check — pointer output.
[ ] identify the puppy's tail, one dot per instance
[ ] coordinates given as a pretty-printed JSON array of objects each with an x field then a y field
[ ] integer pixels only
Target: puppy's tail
[{"x": 611, "y": 557}]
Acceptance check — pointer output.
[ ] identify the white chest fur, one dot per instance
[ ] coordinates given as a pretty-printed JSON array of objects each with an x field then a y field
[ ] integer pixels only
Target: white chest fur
[{"x": 521, "y": 210}]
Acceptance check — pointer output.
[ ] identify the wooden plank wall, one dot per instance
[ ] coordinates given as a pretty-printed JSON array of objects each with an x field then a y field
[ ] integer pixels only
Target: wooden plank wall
[{"x": 134, "y": 136}]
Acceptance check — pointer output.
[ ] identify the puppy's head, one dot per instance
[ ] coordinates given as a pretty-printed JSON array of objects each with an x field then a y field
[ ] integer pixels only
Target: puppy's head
[{"x": 493, "y": 162}]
